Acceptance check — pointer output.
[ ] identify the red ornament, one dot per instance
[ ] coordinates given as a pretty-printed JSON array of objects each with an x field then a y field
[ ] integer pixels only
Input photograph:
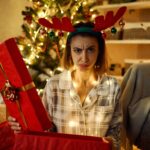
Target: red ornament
[
  {"x": 10, "y": 92},
  {"x": 28, "y": 18},
  {"x": 61, "y": 33}
]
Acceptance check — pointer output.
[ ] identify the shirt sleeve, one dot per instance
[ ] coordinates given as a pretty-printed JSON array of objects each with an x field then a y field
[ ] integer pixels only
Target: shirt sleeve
[
  {"x": 47, "y": 102},
  {"x": 47, "y": 98},
  {"x": 114, "y": 131}
]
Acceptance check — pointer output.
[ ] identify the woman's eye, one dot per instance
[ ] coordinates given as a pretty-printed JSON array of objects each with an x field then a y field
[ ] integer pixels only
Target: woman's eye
[
  {"x": 90, "y": 49},
  {"x": 77, "y": 50}
]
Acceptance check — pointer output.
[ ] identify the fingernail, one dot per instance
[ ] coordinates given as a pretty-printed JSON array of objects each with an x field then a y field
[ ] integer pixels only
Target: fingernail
[{"x": 19, "y": 128}]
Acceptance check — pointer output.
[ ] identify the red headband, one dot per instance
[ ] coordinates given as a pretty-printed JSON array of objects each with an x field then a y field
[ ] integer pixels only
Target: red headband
[{"x": 101, "y": 22}]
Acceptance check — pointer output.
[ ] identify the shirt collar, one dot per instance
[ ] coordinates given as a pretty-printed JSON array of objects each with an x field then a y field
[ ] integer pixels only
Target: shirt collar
[{"x": 65, "y": 81}]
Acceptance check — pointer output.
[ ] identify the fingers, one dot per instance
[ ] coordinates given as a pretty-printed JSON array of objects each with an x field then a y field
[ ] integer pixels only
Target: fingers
[
  {"x": 108, "y": 140},
  {"x": 10, "y": 118},
  {"x": 105, "y": 140},
  {"x": 15, "y": 126}
]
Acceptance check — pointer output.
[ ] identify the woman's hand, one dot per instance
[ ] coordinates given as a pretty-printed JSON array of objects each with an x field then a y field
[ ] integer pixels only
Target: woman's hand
[
  {"x": 108, "y": 140},
  {"x": 15, "y": 126}
]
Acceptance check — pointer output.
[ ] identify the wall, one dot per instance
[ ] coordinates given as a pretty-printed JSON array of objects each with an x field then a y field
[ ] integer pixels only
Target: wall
[
  {"x": 137, "y": 27},
  {"x": 118, "y": 53},
  {"x": 11, "y": 18}
]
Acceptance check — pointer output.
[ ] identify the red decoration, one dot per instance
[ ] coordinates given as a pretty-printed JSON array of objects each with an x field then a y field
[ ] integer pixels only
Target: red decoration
[
  {"x": 28, "y": 18},
  {"x": 7, "y": 137},
  {"x": 101, "y": 22},
  {"x": 60, "y": 33},
  {"x": 57, "y": 141},
  {"x": 48, "y": 141},
  {"x": 57, "y": 24},
  {"x": 10, "y": 92},
  {"x": 28, "y": 108}
]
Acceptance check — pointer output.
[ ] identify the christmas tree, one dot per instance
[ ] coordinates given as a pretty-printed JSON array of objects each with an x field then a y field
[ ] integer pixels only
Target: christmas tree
[{"x": 41, "y": 48}]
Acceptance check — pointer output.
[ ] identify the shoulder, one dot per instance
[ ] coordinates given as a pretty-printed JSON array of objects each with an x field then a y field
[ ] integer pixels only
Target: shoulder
[
  {"x": 111, "y": 82},
  {"x": 110, "y": 79}
]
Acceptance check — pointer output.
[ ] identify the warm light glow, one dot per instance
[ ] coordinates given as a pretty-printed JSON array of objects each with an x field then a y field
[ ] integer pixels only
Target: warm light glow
[
  {"x": 76, "y": 8},
  {"x": 72, "y": 17},
  {"x": 33, "y": 38},
  {"x": 37, "y": 56},
  {"x": 29, "y": 45},
  {"x": 95, "y": 82},
  {"x": 40, "y": 44},
  {"x": 91, "y": 10},
  {"x": 71, "y": 93},
  {"x": 32, "y": 26},
  {"x": 93, "y": 16},
  {"x": 21, "y": 47},
  {"x": 88, "y": 100},
  {"x": 32, "y": 49},
  {"x": 63, "y": 46},
  {"x": 39, "y": 91},
  {"x": 60, "y": 69},
  {"x": 73, "y": 123},
  {"x": 84, "y": 3},
  {"x": 75, "y": 84},
  {"x": 41, "y": 14},
  {"x": 38, "y": 3}
]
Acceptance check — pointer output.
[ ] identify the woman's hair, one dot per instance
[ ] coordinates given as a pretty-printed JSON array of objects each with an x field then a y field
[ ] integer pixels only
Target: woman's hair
[{"x": 86, "y": 29}]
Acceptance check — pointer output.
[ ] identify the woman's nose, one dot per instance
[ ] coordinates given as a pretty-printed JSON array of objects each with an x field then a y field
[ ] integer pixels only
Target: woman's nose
[{"x": 84, "y": 56}]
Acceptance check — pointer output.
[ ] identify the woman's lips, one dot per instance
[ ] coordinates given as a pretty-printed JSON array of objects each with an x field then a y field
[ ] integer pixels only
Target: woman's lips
[{"x": 83, "y": 65}]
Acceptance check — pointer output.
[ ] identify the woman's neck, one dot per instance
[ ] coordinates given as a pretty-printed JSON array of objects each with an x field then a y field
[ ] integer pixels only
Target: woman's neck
[
  {"x": 83, "y": 83},
  {"x": 84, "y": 78}
]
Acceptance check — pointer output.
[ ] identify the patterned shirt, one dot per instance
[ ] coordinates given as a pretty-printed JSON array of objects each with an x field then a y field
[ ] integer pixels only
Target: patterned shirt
[{"x": 99, "y": 115}]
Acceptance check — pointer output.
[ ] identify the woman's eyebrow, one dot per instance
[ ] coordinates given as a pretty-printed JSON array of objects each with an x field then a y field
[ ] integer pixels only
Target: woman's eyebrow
[
  {"x": 77, "y": 48},
  {"x": 91, "y": 46}
]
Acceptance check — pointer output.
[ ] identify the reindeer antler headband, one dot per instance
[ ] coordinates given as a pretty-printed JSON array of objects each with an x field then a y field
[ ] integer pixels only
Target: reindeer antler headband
[{"x": 101, "y": 22}]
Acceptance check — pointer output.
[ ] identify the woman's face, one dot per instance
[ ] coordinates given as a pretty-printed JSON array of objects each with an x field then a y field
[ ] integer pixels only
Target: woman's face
[{"x": 84, "y": 52}]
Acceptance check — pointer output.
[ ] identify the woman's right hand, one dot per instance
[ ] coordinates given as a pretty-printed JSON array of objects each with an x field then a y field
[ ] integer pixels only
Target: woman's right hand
[{"x": 15, "y": 126}]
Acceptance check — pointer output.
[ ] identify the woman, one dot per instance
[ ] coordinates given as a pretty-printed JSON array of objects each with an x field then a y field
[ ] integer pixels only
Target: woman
[{"x": 83, "y": 99}]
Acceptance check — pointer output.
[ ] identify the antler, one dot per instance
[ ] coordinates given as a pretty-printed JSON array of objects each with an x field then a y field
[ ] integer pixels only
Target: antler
[
  {"x": 57, "y": 24},
  {"x": 102, "y": 23}
]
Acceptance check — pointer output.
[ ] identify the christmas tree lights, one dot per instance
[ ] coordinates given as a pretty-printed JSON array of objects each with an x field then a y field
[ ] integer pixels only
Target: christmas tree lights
[{"x": 42, "y": 48}]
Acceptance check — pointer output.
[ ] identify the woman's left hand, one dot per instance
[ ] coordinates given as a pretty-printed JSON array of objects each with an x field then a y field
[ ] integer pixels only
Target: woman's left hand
[{"x": 108, "y": 140}]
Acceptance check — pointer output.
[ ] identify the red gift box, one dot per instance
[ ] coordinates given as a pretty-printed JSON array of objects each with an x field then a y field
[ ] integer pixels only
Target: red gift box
[
  {"x": 57, "y": 141},
  {"x": 6, "y": 137},
  {"x": 18, "y": 90}
]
